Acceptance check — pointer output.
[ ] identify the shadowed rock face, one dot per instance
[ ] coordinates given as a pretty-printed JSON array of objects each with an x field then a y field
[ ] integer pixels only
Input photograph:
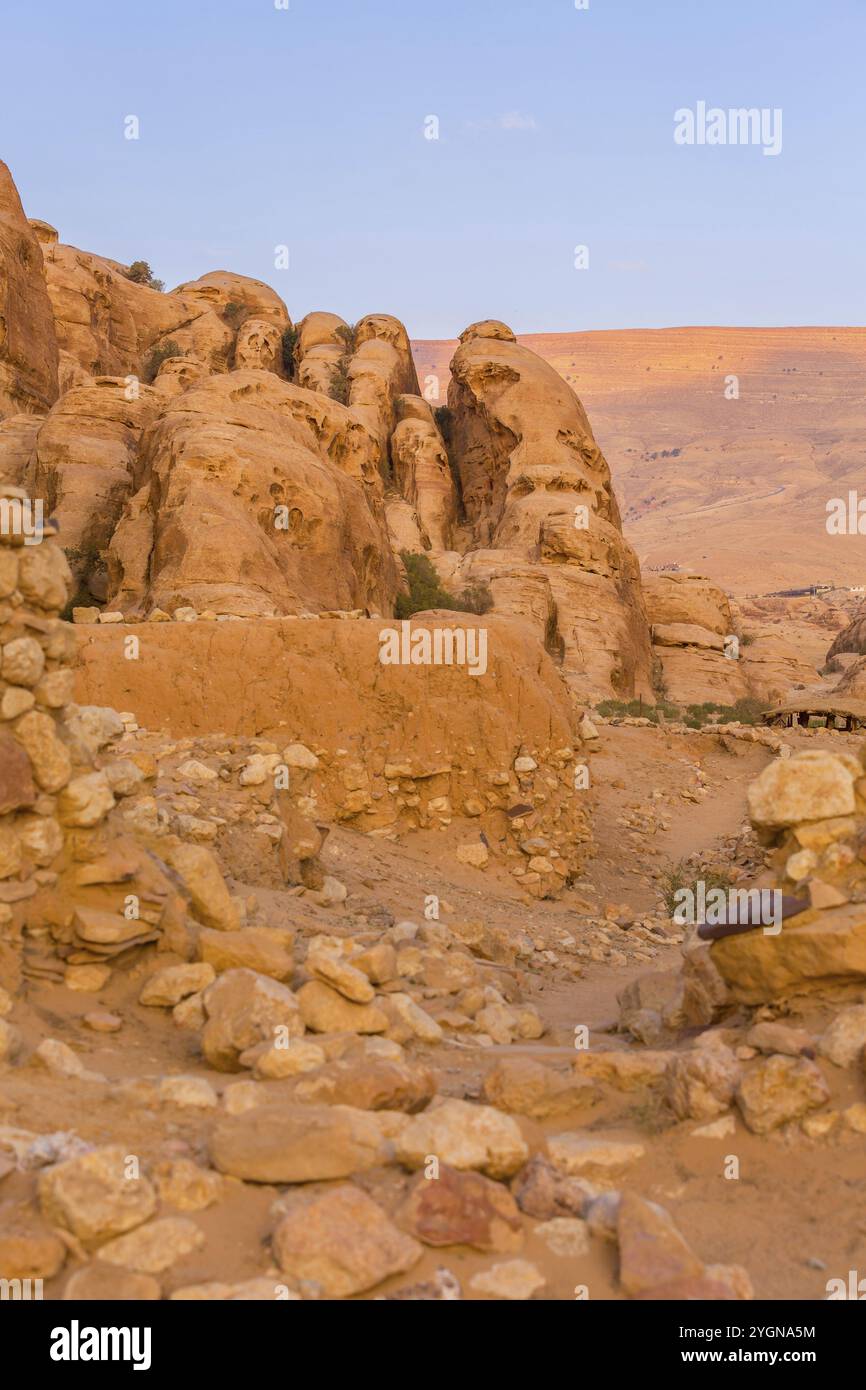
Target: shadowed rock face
[
  {"x": 28, "y": 345},
  {"x": 543, "y": 524}
]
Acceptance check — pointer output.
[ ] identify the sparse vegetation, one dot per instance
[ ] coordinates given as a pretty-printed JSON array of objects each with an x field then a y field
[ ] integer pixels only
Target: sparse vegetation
[
  {"x": 745, "y": 711},
  {"x": 85, "y": 562},
  {"x": 141, "y": 274},
  {"x": 346, "y": 334},
  {"x": 685, "y": 875},
  {"x": 158, "y": 355},
  {"x": 444, "y": 420},
  {"x": 340, "y": 382},
  {"x": 234, "y": 314},
  {"x": 426, "y": 591},
  {"x": 289, "y": 342}
]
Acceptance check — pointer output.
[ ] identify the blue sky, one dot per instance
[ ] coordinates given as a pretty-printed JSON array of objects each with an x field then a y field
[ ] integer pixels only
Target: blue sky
[{"x": 262, "y": 127}]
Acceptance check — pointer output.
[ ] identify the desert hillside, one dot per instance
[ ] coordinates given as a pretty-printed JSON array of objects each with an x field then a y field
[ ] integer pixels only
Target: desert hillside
[
  {"x": 405, "y": 894},
  {"x": 733, "y": 488}
]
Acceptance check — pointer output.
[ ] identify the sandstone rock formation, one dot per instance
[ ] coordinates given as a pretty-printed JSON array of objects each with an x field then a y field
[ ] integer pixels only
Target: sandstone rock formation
[
  {"x": 541, "y": 522},
  {"x": 254, "y": 496},
  {"x": 28, "y": 345}
]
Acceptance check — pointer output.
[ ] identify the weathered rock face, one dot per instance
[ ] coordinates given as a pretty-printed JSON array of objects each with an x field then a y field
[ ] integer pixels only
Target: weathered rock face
[
  {"x": 773, "y": 667},
  {"x": 702, "y": 655},
  {"x": 109, "y": 325},
  {"x": 543, "y": 524},
  {"x": 320, "y": 351},
  {"x": 422, "y": 473},
  {"x": 84, "y": 463},
  {"x": 28, "y": 345},
  {"x": 255, "y": 497},
  {"x": 17, "y": 443},
  {"x": 691, "y": 620},
  {"x": 852, "y": 638}
]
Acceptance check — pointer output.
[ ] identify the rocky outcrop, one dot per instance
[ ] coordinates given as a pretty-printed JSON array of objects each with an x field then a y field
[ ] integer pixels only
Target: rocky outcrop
[
  {"x": 692, "y": 624},
  {"x": 28, "y": 345},
  {"x": 321, "y": 352},
  {"x": 542, "y": 526},
  {"x": 852, "y": 638},
  {"x": 17, "y": 442},
  {"x": 83, "y": 465},
  {"x": 255, "y": 497},
  {"x": 704, "y": 654},
  {"x": 422, "y": 474}
]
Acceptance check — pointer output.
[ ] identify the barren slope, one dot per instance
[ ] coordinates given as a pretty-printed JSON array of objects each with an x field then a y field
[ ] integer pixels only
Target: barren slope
[{"x": 743, "y": 498}]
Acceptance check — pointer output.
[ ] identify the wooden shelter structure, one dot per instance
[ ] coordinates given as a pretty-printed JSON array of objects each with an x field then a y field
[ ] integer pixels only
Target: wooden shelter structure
[{"x": 835, "y": 713}]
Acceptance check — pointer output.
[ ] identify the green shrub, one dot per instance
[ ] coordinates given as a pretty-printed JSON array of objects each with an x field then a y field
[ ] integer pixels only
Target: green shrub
[
  {"x": 141, "y": 274},
  {"x": 426, "y": 591},
  {"x": 158, "y": 355},
  {"x": 234, "y": 314},
  {"x": 683, "y": 875},
  {"x": 444, "y": 418},
  {"x": 745, "y": 711},
  {"x": 340, "y": 382},
  {"x": 289, "y": 341}
]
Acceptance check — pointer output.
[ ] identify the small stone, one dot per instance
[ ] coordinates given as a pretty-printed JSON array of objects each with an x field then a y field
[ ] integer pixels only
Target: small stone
[
  {"x": 265, "y": 950},
  {"x": 351, "y": 983},
  {"x": 101, "y": 1021},
  {"x": 192, "y": 1092},
  {"x": 464, "y": 1136},
  {"x": 154, "y": 1248},
  {"x": 23, "y": 661},
  {"x": 93, "y": 1195},
  {"x": 474, "y": 853},
  {"x": 565, "y": 1235},
  {"x": 60, "y": 1060},
  {"x": 844, "y": 1039},
  {"x": 600, "y": 1160},
  {"x": 652, "y": 1253},
  {"x": 298, "y": 755},
  {"x": 296, "y": 1143},
  {"x": 724, "y": 1128},
  {"x": 514, "y": 1280},
  {"x": 195, "y": 771},
  {"x": 325, "y": 1011},
  {"x": 341, "y": 1240},
  {"x": 187, "y": 1187},
  {"x": 701, "y": 1084},
  {"x": 855, "y": 1117},
  {"x": 169, "y": 986},
  {"x": 770, "y": 1037},
  {"x": 270, "y": 1061},
  {"x": 244, "y": 1009},
  {"x": 86, "y": 800},
  {"x": 462, "y": 1208},
  {"x": 778, "y": 1089},
  {"x": 409, "y": 1020},
  {"x": 29, "y": 1251}
]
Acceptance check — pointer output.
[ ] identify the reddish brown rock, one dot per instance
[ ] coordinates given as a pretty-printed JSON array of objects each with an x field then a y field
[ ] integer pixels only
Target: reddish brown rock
[{"x": 457, "y": 1208}]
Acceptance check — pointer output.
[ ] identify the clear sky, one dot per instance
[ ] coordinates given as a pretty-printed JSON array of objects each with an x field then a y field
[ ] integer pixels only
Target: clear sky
[{"x": 305, "y": 127}]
